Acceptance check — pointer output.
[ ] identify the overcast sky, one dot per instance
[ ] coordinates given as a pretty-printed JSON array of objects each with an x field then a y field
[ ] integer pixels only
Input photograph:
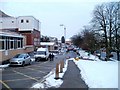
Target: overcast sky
[{"x": 74, "y": 14}]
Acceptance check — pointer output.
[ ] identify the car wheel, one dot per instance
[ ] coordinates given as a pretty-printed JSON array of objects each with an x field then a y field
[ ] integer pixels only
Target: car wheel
[
  {"x": 23, "y": 64},
  {"x": 35, "y": 59}
]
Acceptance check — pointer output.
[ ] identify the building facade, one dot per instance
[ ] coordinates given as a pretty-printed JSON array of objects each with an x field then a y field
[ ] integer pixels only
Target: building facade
[
  {"x": 18, "y": 35},
  {"x": 29, "y": 27},
  {"x": 11, "y": 43}
]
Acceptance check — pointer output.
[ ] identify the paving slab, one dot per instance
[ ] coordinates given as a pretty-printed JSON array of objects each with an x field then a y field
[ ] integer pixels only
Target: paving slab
[{"x": 72, "y": 77}]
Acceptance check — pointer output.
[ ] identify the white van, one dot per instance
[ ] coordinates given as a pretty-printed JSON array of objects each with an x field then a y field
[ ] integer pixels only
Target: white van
[{"x": 41, "y": 54}]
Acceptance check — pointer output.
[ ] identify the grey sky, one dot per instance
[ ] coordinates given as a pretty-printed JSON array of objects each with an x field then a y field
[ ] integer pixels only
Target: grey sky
[{"x": 74, "y": 14}]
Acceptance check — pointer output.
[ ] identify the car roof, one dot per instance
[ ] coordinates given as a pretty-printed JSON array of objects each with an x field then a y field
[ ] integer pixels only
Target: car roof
[{"x": 41, "y": 49}]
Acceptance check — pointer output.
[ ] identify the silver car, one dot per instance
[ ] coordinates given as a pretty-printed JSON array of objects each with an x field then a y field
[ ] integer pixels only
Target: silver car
[{"x": 20, "y": 59}]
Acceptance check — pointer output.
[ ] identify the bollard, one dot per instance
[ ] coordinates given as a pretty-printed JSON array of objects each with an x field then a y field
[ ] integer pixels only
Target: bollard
[
  {"x": 76, "y": 58},
  {"x": 61, "y": 67},
  {"x": 63, "y": 63},
  {"x": 57, "y": 71}
]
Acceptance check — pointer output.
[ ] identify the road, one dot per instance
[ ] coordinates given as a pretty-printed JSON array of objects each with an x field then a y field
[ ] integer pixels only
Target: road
[{"x": 24, "y": 77}]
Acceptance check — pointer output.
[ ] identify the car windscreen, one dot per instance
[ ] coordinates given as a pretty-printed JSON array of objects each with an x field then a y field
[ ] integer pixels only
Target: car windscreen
[
  {"x": 41, "y": 52},
  {"x": 19, "y": 56}
]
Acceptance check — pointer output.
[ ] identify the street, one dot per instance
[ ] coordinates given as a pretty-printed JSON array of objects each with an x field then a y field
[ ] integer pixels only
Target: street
[
  {"x": 47, "y": 44},
  {"x": 24, "y": 77}
]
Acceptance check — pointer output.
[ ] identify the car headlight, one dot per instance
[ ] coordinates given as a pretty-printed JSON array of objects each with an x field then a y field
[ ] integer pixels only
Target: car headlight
[{"x": 19, "y": 60}]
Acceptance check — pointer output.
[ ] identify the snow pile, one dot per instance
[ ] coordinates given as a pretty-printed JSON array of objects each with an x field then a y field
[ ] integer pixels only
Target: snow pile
[
  {"x": 99, "y": 74},
  {"x": 85, "y": 55},
  {"x": 93, "y": 57},
  {"x": 4, "y": 66},
  {"x": 49, "y": 81}
]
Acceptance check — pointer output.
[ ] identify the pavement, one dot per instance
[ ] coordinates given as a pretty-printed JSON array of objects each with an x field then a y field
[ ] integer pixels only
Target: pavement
[{"x": 72, "y": 77}]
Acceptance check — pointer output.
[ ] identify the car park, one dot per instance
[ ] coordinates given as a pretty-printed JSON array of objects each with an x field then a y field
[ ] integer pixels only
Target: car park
[{"x": 21, "y": 59}]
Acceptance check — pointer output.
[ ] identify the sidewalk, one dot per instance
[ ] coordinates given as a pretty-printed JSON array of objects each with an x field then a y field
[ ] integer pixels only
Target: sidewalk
[{"x": 72, "y": 77}]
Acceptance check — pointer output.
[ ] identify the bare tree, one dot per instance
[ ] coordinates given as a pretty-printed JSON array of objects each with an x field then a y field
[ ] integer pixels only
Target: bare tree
[
  {"x": 86, "y": 39},
  {"x": 104, "y": 19},
  {"x": 116, "y": 29}
]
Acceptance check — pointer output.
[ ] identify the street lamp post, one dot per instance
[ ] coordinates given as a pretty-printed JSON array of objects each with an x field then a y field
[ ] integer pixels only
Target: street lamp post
[{"x": 64, "y": 30}]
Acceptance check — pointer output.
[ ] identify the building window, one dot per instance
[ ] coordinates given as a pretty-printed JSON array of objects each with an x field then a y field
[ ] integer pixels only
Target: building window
[
  {"x": 22, "y": 21},
  {"x": 19, "y": 43},
  {"x": 12, "y": 21},
  {"x": 11, "y": 43},
  {"x": 2, "y": 43},
  {"x": 7, "y": 42},
  {"x": 15, "y": 43},
  {"x": 27, "y": 21}
]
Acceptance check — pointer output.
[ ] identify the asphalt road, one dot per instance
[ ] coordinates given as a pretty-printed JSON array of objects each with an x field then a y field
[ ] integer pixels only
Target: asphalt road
[{"x": 18, "y": 77}]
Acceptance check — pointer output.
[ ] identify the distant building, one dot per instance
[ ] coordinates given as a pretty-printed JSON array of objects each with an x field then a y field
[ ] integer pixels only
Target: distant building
[
  {"x": 50, "y": 45},
  {"x": 68, "y": 41}
]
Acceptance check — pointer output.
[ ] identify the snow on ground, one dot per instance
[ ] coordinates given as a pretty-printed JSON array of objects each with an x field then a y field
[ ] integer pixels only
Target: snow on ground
[
  {"x": 4, "y": 66},
  {"x": 49, "y": 81},
  {"x": 86, "y": 56},
  {"x": 98, "y": 74},
  {"x": 95, "y": 73}
]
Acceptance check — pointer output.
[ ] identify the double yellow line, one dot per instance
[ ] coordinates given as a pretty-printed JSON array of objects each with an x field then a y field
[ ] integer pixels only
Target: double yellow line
[{"x": 5, "y": 85}]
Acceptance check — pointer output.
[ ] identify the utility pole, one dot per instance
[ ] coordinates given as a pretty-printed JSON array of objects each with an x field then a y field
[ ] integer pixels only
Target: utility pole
[{"x": 64, "y": 30}]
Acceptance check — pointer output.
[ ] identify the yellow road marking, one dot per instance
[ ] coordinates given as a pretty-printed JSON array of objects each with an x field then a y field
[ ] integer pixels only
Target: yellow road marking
[
  {"x": 39, "y": 64},
  {"x": 19, "y": 79},
  {"x": 35, "y": 70},
  {"x": 25, "y": 75},
  {"x": 5, "y": 85}
]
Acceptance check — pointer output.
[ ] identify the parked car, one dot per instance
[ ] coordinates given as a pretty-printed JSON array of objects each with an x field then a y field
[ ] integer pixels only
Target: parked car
[
  {"x": 41, "y": 54},
  {"x": 21, "y": 59}
]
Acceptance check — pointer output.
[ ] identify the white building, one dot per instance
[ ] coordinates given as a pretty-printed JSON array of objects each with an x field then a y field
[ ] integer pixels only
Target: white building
[
  {"x": 27, "y": 23},
  {"x": 23, "y": 35},
  {"x": 23, "y": 23},
  {"x": 8, "y": 23}
]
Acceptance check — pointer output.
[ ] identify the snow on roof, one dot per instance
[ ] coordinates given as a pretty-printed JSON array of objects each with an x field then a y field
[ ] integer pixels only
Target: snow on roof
[
  {"x": 47, "y": 43},
  {"x": 68, "y": 39}
]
